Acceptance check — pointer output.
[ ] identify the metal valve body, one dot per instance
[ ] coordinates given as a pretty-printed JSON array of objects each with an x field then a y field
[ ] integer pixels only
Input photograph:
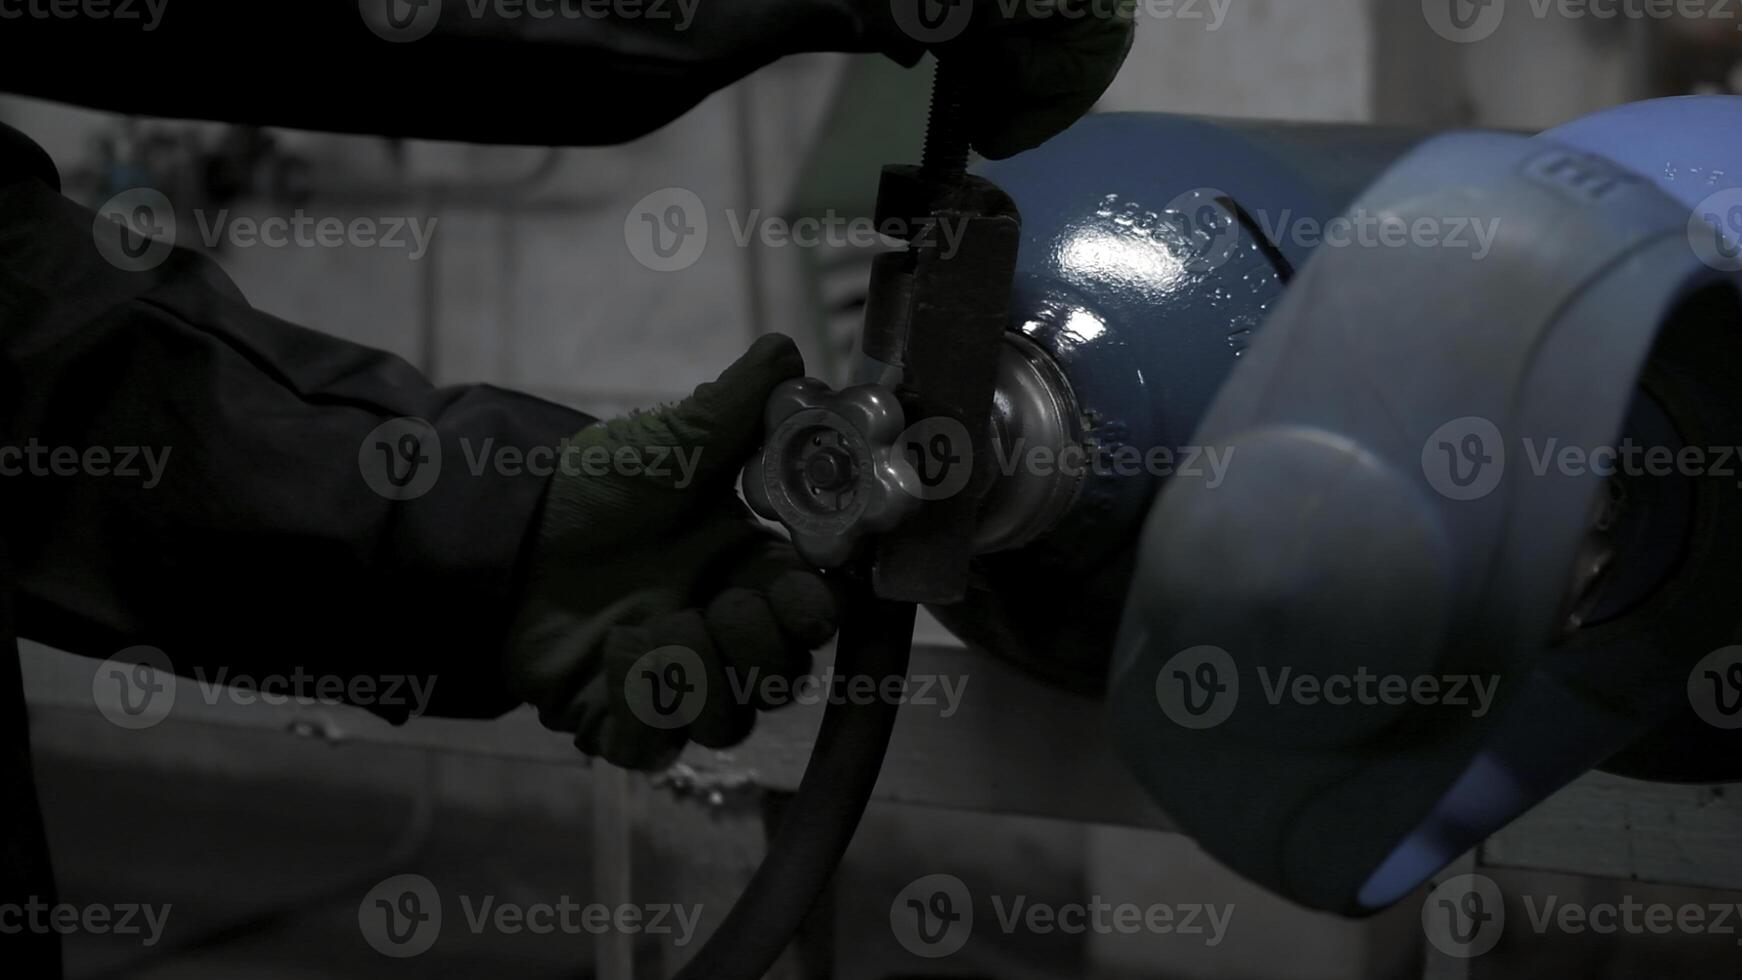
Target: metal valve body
[{"x": 829, "y": 470}]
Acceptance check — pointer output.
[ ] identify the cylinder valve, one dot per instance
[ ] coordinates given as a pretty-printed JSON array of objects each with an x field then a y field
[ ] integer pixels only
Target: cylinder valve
[{"x": 830, "y": 469}]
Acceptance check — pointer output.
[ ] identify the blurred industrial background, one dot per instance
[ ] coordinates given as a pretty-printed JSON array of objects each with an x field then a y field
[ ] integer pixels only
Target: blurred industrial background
[{"x": 265, "y": 828}]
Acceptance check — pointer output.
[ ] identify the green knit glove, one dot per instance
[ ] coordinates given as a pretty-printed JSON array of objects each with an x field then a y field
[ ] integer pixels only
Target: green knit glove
[
  {"x": 1033, "y": 76},
  {"x": 656, "y": 608},
  {"x": 1033, "y": 66}
]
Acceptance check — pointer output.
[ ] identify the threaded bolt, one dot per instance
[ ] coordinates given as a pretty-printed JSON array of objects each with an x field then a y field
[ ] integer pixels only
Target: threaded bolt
[{"x": 946, "y": 130}]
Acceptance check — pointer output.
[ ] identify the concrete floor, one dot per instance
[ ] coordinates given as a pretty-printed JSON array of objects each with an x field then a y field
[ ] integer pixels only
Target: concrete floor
[
  {"x": 224, "y": 850},
  {"x": 265, "y": 871}
]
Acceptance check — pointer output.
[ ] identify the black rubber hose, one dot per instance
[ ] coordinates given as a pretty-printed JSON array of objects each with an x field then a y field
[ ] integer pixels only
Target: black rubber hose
[{"x": 876, "y": 641}]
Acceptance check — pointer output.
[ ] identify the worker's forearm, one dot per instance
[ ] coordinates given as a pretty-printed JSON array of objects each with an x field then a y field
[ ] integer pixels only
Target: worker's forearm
[
  {"x": 181, "y": 470},
  {"x": 547, "y": 72}
]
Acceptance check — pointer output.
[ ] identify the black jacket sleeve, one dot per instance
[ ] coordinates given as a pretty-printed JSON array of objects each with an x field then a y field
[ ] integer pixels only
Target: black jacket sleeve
[
  {"x": 544, "y": 72},
  {"x": 180, "y": 470}
]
